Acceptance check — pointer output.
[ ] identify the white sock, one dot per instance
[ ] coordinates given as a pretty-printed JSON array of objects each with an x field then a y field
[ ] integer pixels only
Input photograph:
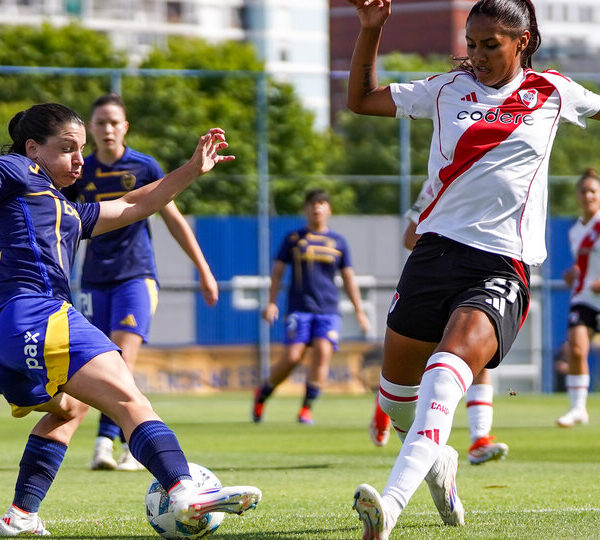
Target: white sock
[
  {"x": 399, "y": 403},
  {"x": 577, "y": 387},
  {"x": 444, "y": 383},
  {"x": 480, "y": 410},
  {"x": 181, "y": 487}
]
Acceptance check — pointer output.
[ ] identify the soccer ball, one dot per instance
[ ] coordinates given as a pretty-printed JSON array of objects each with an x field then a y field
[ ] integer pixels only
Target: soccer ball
[{"x": 163, "y": 521}]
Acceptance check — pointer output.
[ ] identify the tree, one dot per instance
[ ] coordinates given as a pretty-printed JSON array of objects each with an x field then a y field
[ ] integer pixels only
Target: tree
[{"x": 167, "y": 114}]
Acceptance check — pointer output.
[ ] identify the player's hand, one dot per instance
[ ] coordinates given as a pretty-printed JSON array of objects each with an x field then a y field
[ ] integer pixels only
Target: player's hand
[
  {"x": 372, "y": 13},
  {"x": 206, "y": 154},
  {"x": 271, "y": 313},
  {"x": 596, "y": 287},
  {"x": 363, "y": 321},
  {"x": 571, "y": 275},
  {"x": 209, "y": 289}
]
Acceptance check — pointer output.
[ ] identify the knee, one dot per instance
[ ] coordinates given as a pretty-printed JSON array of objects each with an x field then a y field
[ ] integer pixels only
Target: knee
[{"x": 73, "y": 409}]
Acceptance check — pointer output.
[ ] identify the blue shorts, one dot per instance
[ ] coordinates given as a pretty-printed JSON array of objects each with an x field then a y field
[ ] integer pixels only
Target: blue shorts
[
  {"x": 128, "y": 306},
  {"x": 302, "y": 327},
  {"x": 43, "y": 342}
]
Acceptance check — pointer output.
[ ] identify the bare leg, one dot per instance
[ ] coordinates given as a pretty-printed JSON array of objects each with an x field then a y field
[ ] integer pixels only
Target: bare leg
[
  {"x": 578, "y": 377},
  {"x": 291, "y": 358},
  {"x": 108, "y": 430}
]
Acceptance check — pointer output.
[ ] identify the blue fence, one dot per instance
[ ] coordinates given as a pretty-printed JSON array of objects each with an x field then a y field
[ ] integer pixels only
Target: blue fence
[{"x": 231, "y": 246}]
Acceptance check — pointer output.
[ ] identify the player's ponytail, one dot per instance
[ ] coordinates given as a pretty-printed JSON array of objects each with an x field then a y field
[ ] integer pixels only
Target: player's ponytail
[
  {"x": 18, "y": 145},
  {"x": 536, "y": 38},
  {"x": 38, "y": 123}
]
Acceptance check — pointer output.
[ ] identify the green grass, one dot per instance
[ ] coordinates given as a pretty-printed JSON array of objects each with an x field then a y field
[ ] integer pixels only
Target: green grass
[{"x": 548, "y": 487}]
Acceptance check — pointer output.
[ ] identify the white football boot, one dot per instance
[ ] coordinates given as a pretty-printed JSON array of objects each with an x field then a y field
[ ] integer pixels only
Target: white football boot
[
  {"x": 369, "y": 505},
  {"x": 103, "y": 459},
  {"x": 442, "y": 486},
  {"x": 188, "y": 504},
  {"x": 16, "y": 522},
  {"x": 127, "y": 462},
  {"x": 572, "y": 417}
]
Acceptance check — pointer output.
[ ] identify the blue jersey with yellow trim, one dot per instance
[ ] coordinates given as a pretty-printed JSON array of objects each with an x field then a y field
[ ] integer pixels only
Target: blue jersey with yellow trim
[
  {"x": 39, "y": 231},
  {"x": 314, "y": 258},
  {"x": 125, "y": 253}
]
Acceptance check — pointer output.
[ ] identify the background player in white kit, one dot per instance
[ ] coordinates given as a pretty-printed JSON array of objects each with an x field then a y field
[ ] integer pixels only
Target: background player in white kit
[
  {"x": 479, "y": 397},
  {"x": 584, "y": 308},
  {"x": 464, "y": 291}
]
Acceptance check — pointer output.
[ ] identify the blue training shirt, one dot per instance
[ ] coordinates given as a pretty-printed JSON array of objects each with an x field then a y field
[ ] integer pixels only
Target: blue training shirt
[
  {"x": 39, "y": 232},
  {"x": 314, "y": 259},
  {"x": 125, "y": 253}
]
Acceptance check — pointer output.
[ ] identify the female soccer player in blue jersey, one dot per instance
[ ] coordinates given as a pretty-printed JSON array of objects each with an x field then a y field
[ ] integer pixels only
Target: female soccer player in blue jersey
[
  {"x": 52, "y": 359},
  {"x": 315, "y": 254},
  {"x": 464, "y": 291},
  {"x": 118, "y": 282}
]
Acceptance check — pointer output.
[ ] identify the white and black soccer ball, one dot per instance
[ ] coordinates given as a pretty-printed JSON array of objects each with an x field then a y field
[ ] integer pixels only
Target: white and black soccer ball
[{"x": 163, "y": 521}]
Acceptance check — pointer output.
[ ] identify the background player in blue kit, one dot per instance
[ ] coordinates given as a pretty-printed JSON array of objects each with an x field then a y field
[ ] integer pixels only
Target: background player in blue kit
[
  {"x": 52, "y": 359},
  {"x": 119, "y": 284},
  {"x": 315, "y": 253}
]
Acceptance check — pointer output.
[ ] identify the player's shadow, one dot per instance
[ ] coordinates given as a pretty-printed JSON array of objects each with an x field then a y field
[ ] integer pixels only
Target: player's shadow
[
  {"x": 325, "y": 534},
  {"x": 308, "y": 466}
]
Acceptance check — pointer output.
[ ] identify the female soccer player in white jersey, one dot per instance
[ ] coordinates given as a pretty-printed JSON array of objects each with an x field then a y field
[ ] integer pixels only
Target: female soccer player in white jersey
[
  {"x": 584, "y": 309},
  {"x": 479, "y": 397},
  {"x": 464, "y": 291},
  {"x": 119, "y": 291},
  {"x": 52, "y": 359}
]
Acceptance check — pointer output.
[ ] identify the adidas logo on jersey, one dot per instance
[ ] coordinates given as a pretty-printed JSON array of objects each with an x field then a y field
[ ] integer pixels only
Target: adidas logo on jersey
[
  {"x": 470, "y": 97},
  {"x": 129, "y": 321}
]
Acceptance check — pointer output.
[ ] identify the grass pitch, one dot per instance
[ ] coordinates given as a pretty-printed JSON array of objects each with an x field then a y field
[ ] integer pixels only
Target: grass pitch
[{"x": 548, "y": 487}]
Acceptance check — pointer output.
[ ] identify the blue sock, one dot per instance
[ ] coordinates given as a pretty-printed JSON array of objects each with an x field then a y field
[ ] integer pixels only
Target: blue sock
[
  {"x": 107, "y": 428},
  {"x": 39, "y": 465},
  {"x": 312, "y": 393},
  {"x": 265, "y": 391},
  {"x": 155, "y": 446}
]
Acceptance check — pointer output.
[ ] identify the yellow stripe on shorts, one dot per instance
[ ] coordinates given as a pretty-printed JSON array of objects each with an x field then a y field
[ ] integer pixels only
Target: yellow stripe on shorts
[
  {"x": 153, "y": 294},
  {"x": 56, "y": 349}
]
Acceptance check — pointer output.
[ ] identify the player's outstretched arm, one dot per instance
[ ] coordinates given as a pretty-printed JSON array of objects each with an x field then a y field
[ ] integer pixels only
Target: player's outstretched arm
[
  {"x": 183, "y": 233},
  {"x": 364, "y": 94},
  {"x": 145, "y": 201}
]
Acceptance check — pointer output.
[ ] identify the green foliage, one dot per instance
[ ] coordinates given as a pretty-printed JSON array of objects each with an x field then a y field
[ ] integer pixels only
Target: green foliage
[
  {"x": 168, "y": 114},
  {"x": 70, "y": 46}
]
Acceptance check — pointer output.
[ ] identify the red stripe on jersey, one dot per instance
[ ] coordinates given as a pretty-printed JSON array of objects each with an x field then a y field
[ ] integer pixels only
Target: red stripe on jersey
[
  {"x": 484, "y": 136},
  {"x": 520, "y": 270},
  {"x": 475, "y": 403},
  {"x": 583, "y": 254},
  {"x": 392, "y": 397},
  {"x": 453, "y": 370}
]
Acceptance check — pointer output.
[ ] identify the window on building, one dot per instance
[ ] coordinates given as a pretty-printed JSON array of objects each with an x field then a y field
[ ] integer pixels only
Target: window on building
[
  {"x": 244, "y": 14},
  {"x": 586, "y": 14},
  {"x": 284, "y": 53},
  {"x": 174, "y": 12},
  {"x": 73, "y": 7}
]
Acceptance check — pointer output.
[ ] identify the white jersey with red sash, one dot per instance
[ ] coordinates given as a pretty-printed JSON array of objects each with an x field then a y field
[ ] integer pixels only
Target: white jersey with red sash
[
  {"x": 489, "y": 155},
  {"x": 585, "y": 246}
]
